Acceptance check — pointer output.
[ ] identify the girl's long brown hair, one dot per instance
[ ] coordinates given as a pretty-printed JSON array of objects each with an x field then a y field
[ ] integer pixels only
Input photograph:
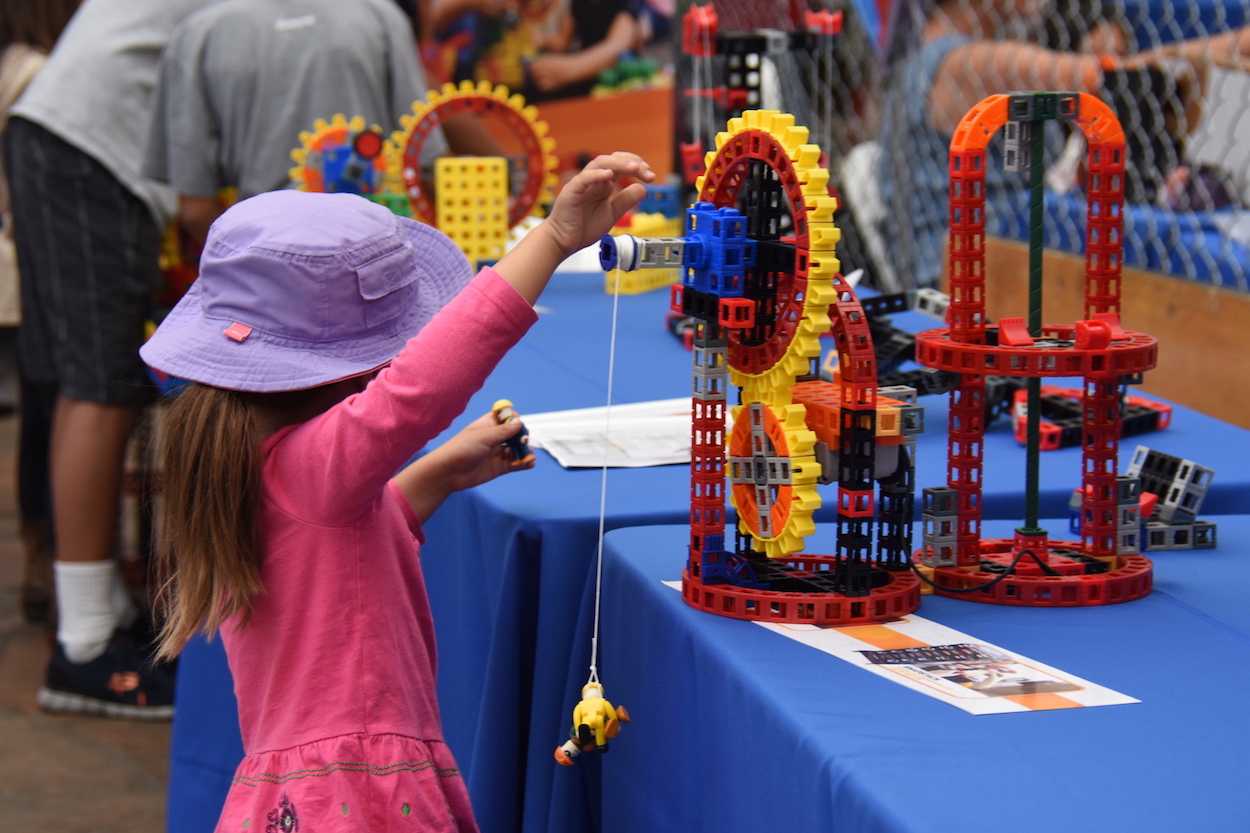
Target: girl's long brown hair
[
  {"x": 207, "y": 564},
  {"x": 34, "y": 22}
]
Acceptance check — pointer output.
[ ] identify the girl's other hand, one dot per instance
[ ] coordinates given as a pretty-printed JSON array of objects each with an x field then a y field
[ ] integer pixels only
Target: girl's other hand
[
  {"x": 477, "y": 454},
  {"x": 474, "y": 456}
]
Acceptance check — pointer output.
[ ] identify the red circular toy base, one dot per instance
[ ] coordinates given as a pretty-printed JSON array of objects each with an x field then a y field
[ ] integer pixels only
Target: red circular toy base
[
  {"x": 897, "y": 597},
  {"x": 1129, "y": 579}
]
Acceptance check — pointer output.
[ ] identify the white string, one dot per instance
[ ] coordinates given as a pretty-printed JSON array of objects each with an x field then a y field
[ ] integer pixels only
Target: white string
[
  {"x": 603, "y": 486},
  {"x": 701, "y": 78}
]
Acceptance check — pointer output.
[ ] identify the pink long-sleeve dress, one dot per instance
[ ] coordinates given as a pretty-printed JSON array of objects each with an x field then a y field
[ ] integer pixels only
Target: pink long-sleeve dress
[{"x": 335, "y": 670}]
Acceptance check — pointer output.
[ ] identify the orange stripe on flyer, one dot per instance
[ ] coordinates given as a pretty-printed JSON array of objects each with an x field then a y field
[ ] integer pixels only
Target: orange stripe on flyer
[
  {"x": 883, "y": 637},
  {"x": 1044, "y": 701}
]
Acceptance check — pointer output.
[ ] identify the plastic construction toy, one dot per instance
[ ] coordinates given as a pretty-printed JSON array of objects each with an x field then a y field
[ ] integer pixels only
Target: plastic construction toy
[
  {"x": 1061, "y": 420},
  {"x": 595, "y": 722},
  {"x": 474, "y": 200},
  {"x": 630, "y": 72},
  {"x": 519, "y": 443},
  {"x": 894, "y": 348},
  {"x": 535, "y": 166},
  {"x": 727, "y": 71},
  {"x": 1171, "y": 494},
  {"x": 341, "y": 156},
  {"x": 663, "y": 199},
  {"x": 761, "y": 285},
  {"x": 1105, "y": 566},
  {"x": 635, "y": 282},
  {"x": 1061, "y": 407},
  {"x": 472, "y": 204}
]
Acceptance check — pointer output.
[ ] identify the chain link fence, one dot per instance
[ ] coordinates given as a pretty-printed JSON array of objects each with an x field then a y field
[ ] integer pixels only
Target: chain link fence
[{"x": 884, "y": 101}]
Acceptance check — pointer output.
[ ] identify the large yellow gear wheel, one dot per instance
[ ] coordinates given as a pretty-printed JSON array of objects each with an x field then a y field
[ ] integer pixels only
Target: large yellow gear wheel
[
  {"x": 538, "y": 185},
  {"x": 765, "y": 361},
  {"x": 764, "y": 160},
  {"x": 343, "y": 156}
]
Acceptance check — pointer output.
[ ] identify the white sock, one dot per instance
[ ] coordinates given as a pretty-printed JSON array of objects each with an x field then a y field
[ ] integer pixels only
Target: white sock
[{"x": 86, "y": 607}]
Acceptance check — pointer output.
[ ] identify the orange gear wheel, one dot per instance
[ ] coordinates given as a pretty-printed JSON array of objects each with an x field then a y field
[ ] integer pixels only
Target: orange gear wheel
[{"x": 772, "y": 476}]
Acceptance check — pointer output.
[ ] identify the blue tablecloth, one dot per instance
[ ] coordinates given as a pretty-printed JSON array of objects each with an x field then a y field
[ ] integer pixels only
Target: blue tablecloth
[
  {"x": 736, "y": 728},
  {"x": 509, "y": 564}
]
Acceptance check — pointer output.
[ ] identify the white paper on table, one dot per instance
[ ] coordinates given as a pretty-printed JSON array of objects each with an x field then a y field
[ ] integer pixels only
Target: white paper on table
[
  {"x": 951, "y": 666},
  {"x": 631, "y": 436}
]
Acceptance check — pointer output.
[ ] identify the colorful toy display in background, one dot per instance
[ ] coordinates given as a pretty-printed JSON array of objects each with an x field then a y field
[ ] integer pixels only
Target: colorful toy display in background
[
  {"x": 715, "y": 96},
  {"x": 341, "y": 157},
  {"x": 475, "y": 201},
  {"x": 631, "y": 72},
  {"x": 471, "y": 204},
  {"x": 535, "y": 165}
]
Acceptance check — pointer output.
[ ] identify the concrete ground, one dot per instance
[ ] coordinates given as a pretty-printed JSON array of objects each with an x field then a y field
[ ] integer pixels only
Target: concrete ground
[{"x": 63, "y": 774}]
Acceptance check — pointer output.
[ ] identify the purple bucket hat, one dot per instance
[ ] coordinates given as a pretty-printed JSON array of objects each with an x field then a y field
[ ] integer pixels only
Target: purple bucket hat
[{"x": 301, "y": 289}]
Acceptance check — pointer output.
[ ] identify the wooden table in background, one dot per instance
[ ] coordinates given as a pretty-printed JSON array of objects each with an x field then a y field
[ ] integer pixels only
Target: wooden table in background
[{"x": 1203, "y": 330}]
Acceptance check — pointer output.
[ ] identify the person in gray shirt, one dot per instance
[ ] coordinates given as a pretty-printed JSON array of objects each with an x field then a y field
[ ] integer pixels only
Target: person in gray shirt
[
  {"x": 87, "y": 228},
  {"x": 241, "y": 80}
]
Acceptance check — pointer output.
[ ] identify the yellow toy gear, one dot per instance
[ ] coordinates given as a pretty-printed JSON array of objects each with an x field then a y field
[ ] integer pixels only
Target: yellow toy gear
[
  {"x": 766, "y": 371},
  {"x": 772, "y": 469},
  {"x": 538, "y": 179},
  {"x": 772, "y": 474},
  {"x": 342, "y": 155}
]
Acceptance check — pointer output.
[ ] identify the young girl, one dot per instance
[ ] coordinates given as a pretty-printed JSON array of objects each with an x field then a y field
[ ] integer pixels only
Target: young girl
[{"x": 329, "y": 341}]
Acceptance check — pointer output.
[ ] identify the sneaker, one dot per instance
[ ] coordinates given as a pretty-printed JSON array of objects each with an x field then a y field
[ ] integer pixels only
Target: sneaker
[{"x": 121, "y": 682}]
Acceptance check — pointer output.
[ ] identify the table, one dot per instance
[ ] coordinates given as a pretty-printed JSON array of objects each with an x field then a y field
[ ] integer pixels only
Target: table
[
  {"x": 735, "y": 728},
  {"x": 509, "y": 565}
]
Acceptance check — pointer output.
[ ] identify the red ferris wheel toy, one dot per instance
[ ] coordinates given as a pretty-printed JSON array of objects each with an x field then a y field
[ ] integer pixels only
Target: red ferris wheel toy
[
  {"x": 761, "y": 282},
  {"x": 1106, "y": 565}
]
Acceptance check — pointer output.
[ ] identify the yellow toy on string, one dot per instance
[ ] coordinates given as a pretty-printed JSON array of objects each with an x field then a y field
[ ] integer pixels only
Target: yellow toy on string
[{"x": 595, "y": 722}]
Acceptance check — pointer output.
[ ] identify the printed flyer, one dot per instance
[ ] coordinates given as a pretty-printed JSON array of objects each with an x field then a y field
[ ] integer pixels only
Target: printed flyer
[{"x": 951, "y": 666}]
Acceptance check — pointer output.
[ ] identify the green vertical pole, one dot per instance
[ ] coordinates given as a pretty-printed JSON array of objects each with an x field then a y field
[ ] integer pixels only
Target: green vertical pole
[{"x": 1034, "y": 384}]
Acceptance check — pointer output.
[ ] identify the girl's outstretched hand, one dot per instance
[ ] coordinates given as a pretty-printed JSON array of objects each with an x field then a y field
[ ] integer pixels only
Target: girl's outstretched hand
[
  {"x": 587, "y": 208},
  {"x": 473, "y": 456},
  {"x": 590, "y": 203}
]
